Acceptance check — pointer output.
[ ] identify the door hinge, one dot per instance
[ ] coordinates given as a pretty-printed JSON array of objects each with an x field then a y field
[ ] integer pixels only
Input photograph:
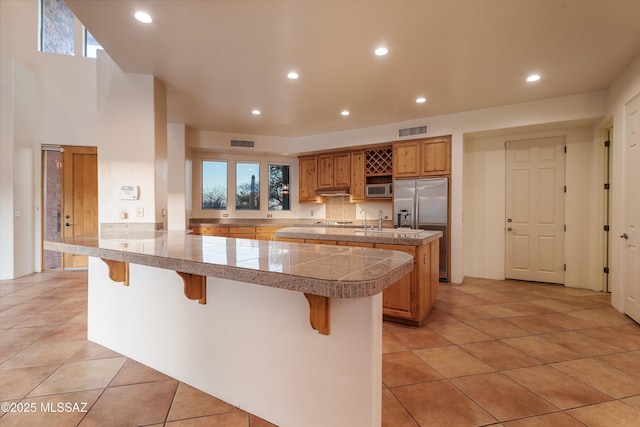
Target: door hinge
[
  {"x": 565, "y": 188},
  {"x": 607, "y": 186},
  {"x": 565, "y": 267},
  {"x": 565, "y": 148},
  {"x": 606, "y": 270},
  {"x": 607, "y": 143},
  {"x": 606, "y": 228},
  {"x": 565, "y": 227}
]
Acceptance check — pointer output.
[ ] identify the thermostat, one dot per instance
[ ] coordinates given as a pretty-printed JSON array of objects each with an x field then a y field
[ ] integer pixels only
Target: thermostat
[{"x": 129, "y": 192}]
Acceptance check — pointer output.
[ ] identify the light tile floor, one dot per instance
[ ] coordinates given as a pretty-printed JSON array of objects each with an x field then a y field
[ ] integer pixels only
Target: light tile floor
[
  {"x": 491, "y": 353},
  {"x": 513, "y": 354}
]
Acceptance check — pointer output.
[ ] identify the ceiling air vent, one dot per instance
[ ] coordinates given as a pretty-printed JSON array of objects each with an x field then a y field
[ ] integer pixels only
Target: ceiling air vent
[
  {"x": 239, "y": 143},
  {"x": 418, "y": 130}
]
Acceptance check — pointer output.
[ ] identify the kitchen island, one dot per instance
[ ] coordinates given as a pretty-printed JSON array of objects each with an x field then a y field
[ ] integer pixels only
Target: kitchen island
[
  {"x": 289, "y": 332},
  {"x": 410, "y": 299}
]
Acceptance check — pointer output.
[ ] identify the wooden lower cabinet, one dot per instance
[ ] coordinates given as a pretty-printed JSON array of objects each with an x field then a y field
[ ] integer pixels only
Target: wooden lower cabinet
[
  {"x": 258, "y": 233},
  {"x": 410, "y": 299}
]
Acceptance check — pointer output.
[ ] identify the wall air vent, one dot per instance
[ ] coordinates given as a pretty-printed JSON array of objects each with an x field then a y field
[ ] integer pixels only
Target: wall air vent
[
  {"x": 240, "y": 143},
  {"x": 418, "y": 130}
]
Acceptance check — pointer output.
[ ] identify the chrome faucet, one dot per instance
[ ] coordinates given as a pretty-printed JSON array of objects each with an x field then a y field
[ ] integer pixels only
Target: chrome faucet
[
  {"x": 364, "y": 223},
  {"x": 379, "y": 220}
]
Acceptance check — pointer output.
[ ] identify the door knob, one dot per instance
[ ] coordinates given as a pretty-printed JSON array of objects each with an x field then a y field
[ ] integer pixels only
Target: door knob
[{"x": 624, "y": 236}]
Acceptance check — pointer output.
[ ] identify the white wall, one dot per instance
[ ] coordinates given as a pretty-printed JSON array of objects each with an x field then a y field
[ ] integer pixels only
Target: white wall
[
  {"x": 127, "y": 151},
  {"x": 484, "y": 206},
  {"x": 177, "y": 177},
  {"x": 626, "y": 86},
  {"x": 46, "y": 99}
]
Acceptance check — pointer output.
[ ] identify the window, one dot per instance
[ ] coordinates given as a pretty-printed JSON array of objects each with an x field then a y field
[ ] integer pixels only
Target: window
[
  {"x": 248, "y": 186},
  {"x": 56, "y": 27},
  {"x": 214, "y": 184},
  {"x": 279, "y": 188},
  {"x": 91, "y": 45}
]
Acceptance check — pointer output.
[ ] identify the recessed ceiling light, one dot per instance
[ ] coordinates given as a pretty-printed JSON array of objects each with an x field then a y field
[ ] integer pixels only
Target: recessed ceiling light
[
  {"x": 421, "y": 100},
  {"x": 293, "y": 75},
  {"x": 381, "y": 51},
  {"x": 345, "y": 112},
  {"x": 533, "y": 78},
  {"x": 256, "y": 112},
  {"x": 143, "y": 17}
]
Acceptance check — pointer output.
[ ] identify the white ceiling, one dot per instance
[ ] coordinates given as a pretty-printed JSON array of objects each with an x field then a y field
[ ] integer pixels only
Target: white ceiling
[{"x": 222, "y": 58}]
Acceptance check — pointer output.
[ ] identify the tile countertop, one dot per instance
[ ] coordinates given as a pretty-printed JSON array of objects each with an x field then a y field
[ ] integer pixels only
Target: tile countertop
[
  {"x": 331, "y": 271},
  {"x": 359, "y": 235}
]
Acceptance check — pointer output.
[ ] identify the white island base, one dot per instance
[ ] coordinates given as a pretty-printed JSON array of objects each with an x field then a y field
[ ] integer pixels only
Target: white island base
[{"x": 249, "y": 345}]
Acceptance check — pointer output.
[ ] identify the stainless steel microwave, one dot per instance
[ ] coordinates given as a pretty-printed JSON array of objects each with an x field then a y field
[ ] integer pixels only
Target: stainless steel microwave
[{"x": 378, "y": 191}]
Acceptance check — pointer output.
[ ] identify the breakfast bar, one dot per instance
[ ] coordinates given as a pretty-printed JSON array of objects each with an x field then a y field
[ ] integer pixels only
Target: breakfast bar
[{"x": 291, "y": 332}]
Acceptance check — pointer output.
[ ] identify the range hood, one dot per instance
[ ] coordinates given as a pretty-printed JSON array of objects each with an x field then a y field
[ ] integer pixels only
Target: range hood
[{"x": 333, "y": 192}]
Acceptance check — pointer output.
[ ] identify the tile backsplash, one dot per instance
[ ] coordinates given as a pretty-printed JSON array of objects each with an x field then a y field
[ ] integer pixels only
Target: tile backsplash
[{"x": 338, "y": 208}]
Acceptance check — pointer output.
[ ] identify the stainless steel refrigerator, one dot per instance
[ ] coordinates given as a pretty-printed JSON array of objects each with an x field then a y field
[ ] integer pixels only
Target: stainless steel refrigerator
[{"x": 423, "y": 203}]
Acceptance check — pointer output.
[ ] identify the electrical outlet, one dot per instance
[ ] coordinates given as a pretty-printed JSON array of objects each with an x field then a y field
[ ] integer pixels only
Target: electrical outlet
[
  {"x": 311, "y": 213},
  {"x": 225, "y": 215},
  {"x": 269, "y": 216},
  {"x": 139, "y": 212}
]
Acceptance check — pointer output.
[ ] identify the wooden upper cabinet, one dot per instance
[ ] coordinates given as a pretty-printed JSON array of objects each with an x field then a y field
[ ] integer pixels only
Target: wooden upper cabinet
[
  {"x": 406, "y": 159},
  {"x": 308, "y": 178},
  {"x": 342, "y": 170},
  {"x": 325, "y": 171},
  {"x": 334, "y": 170},
  {"x": 422, "y": 157},
  {"x": 358, "y": 163},
  {"x": 436, "y": 156}
]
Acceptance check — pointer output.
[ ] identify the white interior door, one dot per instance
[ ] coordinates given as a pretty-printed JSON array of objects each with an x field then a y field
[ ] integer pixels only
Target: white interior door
[
  {"x": 535, "y": 210},
  {"x": 631, "y": 210}
]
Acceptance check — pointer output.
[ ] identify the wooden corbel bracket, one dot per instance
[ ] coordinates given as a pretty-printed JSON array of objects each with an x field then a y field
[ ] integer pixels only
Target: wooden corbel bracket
[
  {"x": 319, "y": 309},
  {"x": 195, "y": 286},
  {"x": 118, "y": 271}
]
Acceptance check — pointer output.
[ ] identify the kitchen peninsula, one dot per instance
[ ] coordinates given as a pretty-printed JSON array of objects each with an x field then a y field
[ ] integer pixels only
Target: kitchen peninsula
[
  {"x": 410, "y": 298},
  {"x": 229, "y": 316}
]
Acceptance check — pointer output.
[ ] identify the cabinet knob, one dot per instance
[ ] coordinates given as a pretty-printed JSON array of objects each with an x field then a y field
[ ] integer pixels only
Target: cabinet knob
[{"x": 509, "y": 229}]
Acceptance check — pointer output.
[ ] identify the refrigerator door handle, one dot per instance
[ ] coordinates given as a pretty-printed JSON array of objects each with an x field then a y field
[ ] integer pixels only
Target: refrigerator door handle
[{"x": 416, "y": 210}]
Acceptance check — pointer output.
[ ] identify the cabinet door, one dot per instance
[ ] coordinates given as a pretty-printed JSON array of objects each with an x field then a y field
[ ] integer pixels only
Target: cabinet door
[
  {"x": 396, "y": 299},
  {"x": 308, "y": 178},
  {"x": 406, "y": 159},
  {"x": 357, "y": 175},
  {"x": 436, "y": 156},
  {"x": 325, "y": 171},
  {"x": 342, "y": 170}
]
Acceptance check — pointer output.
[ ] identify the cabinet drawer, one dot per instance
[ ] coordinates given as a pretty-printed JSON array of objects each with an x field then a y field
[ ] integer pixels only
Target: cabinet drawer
[
  {"x": 211, "y": 231},
  {"x": 242, "y": 230},
  {"x": 402, "y": 248},
  {"x": 356, "y": 244}
]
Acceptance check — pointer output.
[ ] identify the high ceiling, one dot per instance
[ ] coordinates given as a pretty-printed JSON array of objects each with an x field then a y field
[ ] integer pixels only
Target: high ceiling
[{"x": 220, "y": 59}]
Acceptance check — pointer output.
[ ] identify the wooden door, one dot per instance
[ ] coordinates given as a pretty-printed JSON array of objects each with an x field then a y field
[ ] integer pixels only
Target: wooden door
[
  {"x": 325, "y": 171},
  {"x": 535, "y": 210},
  {"x": 342, "y": 170},
  {"x": 631, "y": 210},
  {"x": 406, "y": 159},
  {"x": 436, "y": 156},
  {"x": 308, "y": 178},
  {"x": 357, "y": 175},
  {"x": 79, "y": 197}
]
